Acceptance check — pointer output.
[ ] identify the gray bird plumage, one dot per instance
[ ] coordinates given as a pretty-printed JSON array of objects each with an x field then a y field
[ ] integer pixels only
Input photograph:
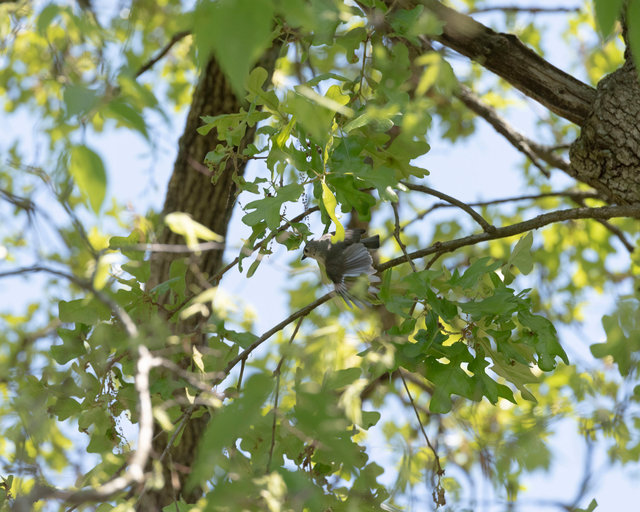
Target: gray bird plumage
[{"x": 347, "y": 259}]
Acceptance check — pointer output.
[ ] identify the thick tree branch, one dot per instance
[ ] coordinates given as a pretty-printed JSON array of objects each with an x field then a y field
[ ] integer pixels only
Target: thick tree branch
[
  {"x": 506, "y": 56},
  {"x": 602, "y": 213}
]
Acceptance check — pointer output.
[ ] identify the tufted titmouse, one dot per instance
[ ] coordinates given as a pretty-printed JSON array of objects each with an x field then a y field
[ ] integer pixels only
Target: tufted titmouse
[{"x": 349, "y": 258}]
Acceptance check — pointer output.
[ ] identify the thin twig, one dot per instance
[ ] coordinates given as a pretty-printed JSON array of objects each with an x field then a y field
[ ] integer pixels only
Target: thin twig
[
  {"x": 488, "y": 228},
  {"x": 172, "y": 248},
  {"x": 151, "y": 62},
  {"x": 531, "y": 149},
  {"x": 575, "y": 195},
  {"x": 606, "y": 212},
  {"x": 439, "y": 470},
  {"x": 183, "y": 421},
  {"x": 218, "y": 275},
  {"x": 300, "y": 313},
  {"x": 614, "y": 229},
  {"x": 396, "y": 235},
  {"x": 276, "y": 372},
  {"x": 242, "y": 367},
  {"x": 529, "y": 10}
]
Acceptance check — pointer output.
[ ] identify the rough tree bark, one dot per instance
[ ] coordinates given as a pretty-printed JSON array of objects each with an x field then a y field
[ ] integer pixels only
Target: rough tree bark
[
  {"x": 607, "y": 153},
  {"x": 191, "y": 191}
]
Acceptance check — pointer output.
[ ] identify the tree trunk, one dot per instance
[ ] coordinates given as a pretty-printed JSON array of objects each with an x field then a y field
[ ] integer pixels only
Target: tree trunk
[
  {"x": 191, "y": 191},
  {"x": 607, "y": 153}
]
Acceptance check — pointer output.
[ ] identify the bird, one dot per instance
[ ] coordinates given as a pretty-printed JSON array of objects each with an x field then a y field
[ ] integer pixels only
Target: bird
[{"x": 349, "y": 258}]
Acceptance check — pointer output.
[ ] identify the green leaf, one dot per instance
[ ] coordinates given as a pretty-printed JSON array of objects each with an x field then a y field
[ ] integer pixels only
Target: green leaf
[
  {"x": 502, "y": 302},
  {"x": 607, "y": 12},
  {"x": 86, "y": 311},
  {"x": 521, "y": 254},
  {"x": 72, "y": 344},
  {"x": 448, "y": 379},
  {"x": 593, "y": 504},
  {"x": 79, "y": 100},
  {"x": 474, "y": 273},
  {"x": 268, "y": 208},
  {"x": 545, "y": 340},
  {"x": 485, "y": 384},
  {"x": 88, "y": 172},
  {"x": 244, "y": 339},
  {"x": 515, "y": 372},
  {"x": 228, "y": 424},
  {"x": 65, "y": 407},
  {"x": 128, "y": 116},
  {"x": 341, "y": 378},
  {"x": 46, "y": 16},
  {"x": 237, "y": 31},
  {"x": 623, "y": 336}
]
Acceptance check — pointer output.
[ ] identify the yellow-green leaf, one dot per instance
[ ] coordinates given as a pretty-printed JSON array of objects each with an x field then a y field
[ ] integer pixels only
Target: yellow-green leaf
[
  {"x": 192, "y": 231},
  {"x": 88, "y": 172},
  {"x": 330, "y": 205}
]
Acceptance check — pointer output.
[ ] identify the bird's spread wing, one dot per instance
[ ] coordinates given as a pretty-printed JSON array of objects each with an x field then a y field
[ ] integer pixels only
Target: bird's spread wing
[{"x": 356, "y": 261}]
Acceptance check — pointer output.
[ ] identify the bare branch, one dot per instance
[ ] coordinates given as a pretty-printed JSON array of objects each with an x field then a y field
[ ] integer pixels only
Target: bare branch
[
  {"x": 151, "y": 62},
  {"x": 614, "y": 229},
  {"x": 396, "y": 235},
  {"x": 276, "y": 372},
  {"x": 603, "y": 213},
  {"x": 572, "y": 194},
  {"x": 426, "y": 438},
  {"x": 575, "y": 195},
  {"x": 300, "y": 313},
  {"x": 488, "y": 228},
  {"x": 119, "y": 312},
  {"x": 173, "y": 248},
  {"x": 531, "y": 149},
  {"x": 530, "y": 10}
]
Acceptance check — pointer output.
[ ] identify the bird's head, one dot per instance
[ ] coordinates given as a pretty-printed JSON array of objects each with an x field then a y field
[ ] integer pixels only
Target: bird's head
[{"x": 314, "y": 249}]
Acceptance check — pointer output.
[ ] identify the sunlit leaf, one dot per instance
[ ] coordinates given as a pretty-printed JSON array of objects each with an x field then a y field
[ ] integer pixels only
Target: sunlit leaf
[{"x": 88, "y": 171}]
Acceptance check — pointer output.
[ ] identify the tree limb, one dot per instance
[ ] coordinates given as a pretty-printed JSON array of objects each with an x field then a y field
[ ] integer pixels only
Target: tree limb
[
  {"x": 506, "y": 56},
  {"x": 530, "y": 10},
  {"x": 242, "y": 356},
  {"x": 151, "y": 62},
  {"x": 531, "y": 149},
  {"x": 453, "y": 201},
  {"x": 603, "y": 213}
]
